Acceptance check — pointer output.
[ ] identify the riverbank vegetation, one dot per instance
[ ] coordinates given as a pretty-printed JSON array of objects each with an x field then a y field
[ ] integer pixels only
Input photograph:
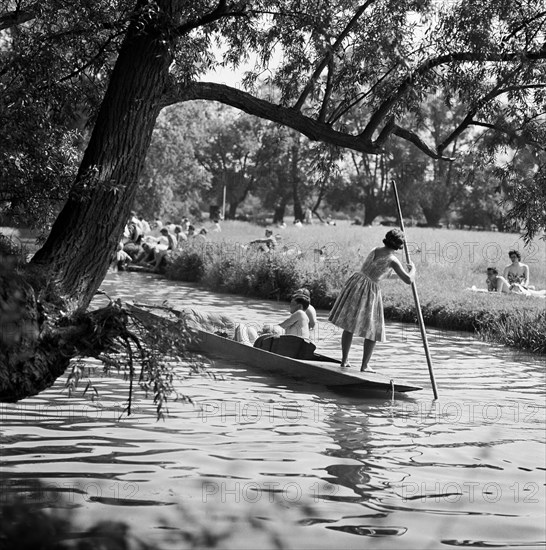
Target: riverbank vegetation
[{"x": 320, "y": 257}]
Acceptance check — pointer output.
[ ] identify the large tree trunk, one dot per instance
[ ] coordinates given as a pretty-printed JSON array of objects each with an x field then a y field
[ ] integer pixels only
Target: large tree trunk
[
  {"x": 83, "y": 239},
  {"x": 371, "y": 209},
  {"x": 280, "y": 210},
  {"x": 73, "y": 261}
]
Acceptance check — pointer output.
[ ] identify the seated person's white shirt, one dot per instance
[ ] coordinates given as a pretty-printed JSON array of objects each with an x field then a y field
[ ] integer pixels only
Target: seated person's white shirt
[{"x": 297, "y": 324}]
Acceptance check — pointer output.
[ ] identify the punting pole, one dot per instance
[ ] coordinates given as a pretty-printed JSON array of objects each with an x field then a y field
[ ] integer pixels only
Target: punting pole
[{"x": 416, "y": 296}]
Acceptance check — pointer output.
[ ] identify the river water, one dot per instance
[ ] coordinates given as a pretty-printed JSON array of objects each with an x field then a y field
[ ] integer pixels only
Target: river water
[{"x": 270, "y": 462}]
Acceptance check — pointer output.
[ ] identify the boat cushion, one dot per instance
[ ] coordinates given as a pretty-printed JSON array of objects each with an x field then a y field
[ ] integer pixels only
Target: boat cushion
[
  {"x": 210, "y": 322},
  {"x": 287, "y": 345}
]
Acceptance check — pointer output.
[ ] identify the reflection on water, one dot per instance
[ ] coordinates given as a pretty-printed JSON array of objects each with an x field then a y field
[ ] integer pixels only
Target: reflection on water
[{"x": 321, "y": 469}]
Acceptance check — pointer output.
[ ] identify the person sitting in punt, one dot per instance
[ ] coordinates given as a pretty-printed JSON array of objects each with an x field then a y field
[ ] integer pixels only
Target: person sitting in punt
[
  {"x": 311, "y": 312},
  {"x": 517, "y": 272},
  {"x": 297, "y": 324}
]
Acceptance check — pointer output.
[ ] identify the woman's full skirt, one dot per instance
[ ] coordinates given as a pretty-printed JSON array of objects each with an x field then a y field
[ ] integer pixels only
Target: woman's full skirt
[{"x": 359, "y": 308}]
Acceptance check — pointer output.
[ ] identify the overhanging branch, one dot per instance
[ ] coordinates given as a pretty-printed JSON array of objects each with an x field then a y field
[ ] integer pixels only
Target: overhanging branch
[
  {"x": 469, "y": 118},
  {"x": 221, "y": 10},
  {"x": 418, "y": 142},
  {"x": 427, "y": 66},
  {"x": 287, "y": 116}
]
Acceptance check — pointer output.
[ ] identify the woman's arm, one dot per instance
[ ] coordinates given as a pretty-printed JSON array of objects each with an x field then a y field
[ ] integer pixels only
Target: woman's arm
[
  {"x": 312, "y": 315},
  {"x": 292, "y": 320},
  {"x": 406, "y": 276},
  {"x": 502, "y": 285},
  {"x": 525, "y": 281}
]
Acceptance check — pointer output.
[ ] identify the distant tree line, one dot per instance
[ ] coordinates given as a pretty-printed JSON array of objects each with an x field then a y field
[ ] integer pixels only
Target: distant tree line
[{"x": 202, "y": 152}]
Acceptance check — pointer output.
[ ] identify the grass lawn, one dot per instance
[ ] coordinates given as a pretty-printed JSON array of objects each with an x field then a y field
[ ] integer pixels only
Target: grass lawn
[{"x": 448, "y": 263}]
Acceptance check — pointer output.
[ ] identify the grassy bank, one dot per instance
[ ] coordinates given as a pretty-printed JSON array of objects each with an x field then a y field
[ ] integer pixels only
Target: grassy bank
[{"x": 448, "y": 263}]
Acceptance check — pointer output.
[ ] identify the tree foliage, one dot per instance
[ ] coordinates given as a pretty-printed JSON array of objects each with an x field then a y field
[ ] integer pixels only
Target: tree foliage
[
  {"x": 333, "y": 62},
  {"x": 173, "y": 180}
]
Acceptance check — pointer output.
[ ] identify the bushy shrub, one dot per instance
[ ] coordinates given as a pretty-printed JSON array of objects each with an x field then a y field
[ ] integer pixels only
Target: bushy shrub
[{"x": 186, "y": 265}]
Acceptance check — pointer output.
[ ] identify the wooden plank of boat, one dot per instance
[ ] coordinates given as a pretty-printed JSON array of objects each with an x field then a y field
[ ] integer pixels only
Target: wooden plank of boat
[{"x": 324, "y": 370}]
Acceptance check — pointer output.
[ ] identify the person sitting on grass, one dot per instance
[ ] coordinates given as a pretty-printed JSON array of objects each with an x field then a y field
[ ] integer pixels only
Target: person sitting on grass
[
  {"x": 517, "y": 272},
  {"x": 265, "y": 244},
  {"x": 161, "y": 251},
  {"x": 122, "y": 258}
]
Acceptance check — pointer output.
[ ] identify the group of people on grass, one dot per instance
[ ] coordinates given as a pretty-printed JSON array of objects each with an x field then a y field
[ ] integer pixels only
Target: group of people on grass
[
  {"x": 514, "y": 278},
  {"x": 148, "y": 244}
]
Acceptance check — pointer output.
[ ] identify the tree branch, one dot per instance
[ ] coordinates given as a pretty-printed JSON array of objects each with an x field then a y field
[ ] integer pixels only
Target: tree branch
[
  {"x": 418, "y": 142},
  {"x": 386, "y": 132},
  {"x": 327, "y": 91},
  {"x": 17, "y": 17},
  {"x": 457, "y": 57},
  {"x": 524, "y": 24},
  {"x": 468, "y": 120},
  {"x": 320, "y": 67},
  {"x": 221, "y": 10},
  {"x": 287, "y": 116},
  {"x": 503, "y": 130}
]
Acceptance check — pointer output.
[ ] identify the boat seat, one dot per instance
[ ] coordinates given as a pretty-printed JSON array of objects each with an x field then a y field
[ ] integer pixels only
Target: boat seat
[{"x": 287, "y": 345}]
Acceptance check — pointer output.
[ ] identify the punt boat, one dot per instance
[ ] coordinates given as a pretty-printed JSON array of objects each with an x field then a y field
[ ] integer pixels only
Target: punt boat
[{"x": 286, "y": 354}]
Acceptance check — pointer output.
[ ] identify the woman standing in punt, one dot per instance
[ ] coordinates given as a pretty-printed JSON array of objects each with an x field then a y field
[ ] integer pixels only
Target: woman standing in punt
[{"x": 358, "y": 309}]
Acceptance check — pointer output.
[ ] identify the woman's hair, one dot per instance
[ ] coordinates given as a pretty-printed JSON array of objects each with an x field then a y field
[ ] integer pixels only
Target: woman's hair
[
  {"x": 515, "y": 253},
  {"x": 394, "y": 239},
  {"x": 302, "y": 292},
  {"x": 493, "y": 270},
  {"x": 300, "y": 298}
]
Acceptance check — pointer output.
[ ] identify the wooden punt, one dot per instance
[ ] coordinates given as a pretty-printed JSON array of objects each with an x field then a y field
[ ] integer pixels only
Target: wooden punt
[{"x": 317, "y": 368}]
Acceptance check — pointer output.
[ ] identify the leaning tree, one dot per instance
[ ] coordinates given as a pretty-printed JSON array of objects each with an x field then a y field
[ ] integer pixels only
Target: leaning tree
[{"x": 377, "y": 61}]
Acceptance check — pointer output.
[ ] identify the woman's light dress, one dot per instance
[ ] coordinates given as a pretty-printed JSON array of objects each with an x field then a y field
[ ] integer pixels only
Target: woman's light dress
[{"x": 359, "y": 306}]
